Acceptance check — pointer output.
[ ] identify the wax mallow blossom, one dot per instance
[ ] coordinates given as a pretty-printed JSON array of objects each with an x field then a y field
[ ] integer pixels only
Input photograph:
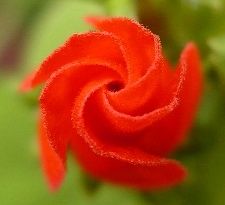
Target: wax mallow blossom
[{"x": 112, "y": 98}]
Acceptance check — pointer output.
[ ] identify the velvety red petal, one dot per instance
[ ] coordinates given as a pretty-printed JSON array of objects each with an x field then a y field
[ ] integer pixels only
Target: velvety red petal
[
  {"x": 142, "y": 52},
  {"x": 170, "y": 131},
  {"x": 139, "y": 44},
  {"x": 140, "y": 173},
  {"x": 119, "y": 164},
  {"x": 57, "y": 100},
  {"x": 192, "y": 87},
  {"x": 145, "y": 90},
  {"x": 94, "y": 47},
  {"x": 162, "y": 130},
  {"x": 52, "y": 164},
  {"x": 126, "y": 123}
]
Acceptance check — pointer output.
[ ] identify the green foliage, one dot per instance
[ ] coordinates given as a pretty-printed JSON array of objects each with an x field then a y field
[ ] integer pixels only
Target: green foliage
[
  {"x": 55, "y": 24},
  {"x": 121, "y": 8},
  {"x": 15, "y": 16},
  {"x": 217, "y": 57}
]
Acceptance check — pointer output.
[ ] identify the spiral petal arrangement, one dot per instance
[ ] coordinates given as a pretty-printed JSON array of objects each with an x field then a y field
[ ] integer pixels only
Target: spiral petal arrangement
[{"x": 113, "y": 99}]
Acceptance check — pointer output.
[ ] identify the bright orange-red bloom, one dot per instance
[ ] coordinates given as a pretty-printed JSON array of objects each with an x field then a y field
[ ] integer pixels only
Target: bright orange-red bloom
[{"x": 112, "y": 98}]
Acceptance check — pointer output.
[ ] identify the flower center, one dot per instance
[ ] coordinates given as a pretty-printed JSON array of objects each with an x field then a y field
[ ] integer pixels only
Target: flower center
[{"x": 115, "y": 86}]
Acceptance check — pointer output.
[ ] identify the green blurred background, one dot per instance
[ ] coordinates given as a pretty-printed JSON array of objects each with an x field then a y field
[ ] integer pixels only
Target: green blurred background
[{"x": 31, "y": 29}]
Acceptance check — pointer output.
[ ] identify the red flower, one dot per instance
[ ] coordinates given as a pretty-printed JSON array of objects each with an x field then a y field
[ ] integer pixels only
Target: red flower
[{"x": 112, "y": 98}]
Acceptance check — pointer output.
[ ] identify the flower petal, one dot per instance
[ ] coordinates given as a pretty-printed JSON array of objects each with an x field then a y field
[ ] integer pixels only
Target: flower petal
[
  {"x": 58, "y": 96},
  {"x": 52, "y": 164},
  {"x": 142, "y": 173},
  {"x": 165, "y": 135},
  {"x": 162, "y": 130},
  {"x": 142, "y": 52},
  {"x": 88, "y": 48},
  {"x": 112, "y": 161},
  {"x": 139, "y": 44}
]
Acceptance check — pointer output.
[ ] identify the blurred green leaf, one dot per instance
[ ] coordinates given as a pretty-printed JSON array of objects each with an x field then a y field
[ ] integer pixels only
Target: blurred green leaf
[
  {"x": 217, "y": 44},
  {"x": 15, "y": 15},
  {"x": 216, "y": 4},
  {"x": 54, "y": 25},
  {"x": 125, "y": 8},
  {"x": 217, "y": 57},
  {"x": 8, "y": 24},
  {"x": 112, "y": 195}
]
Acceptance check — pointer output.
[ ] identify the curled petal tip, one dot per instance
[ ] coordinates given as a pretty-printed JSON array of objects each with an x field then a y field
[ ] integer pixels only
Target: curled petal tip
[
  {"x": 52, "y": 164},
  {"x": 55, "y": 184},
  {"x": 26, "y": 85},
  {"x": 54, "y": 177},
  {"x": 191, "y": 46},
  {"x": 93, "y": 19}
]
